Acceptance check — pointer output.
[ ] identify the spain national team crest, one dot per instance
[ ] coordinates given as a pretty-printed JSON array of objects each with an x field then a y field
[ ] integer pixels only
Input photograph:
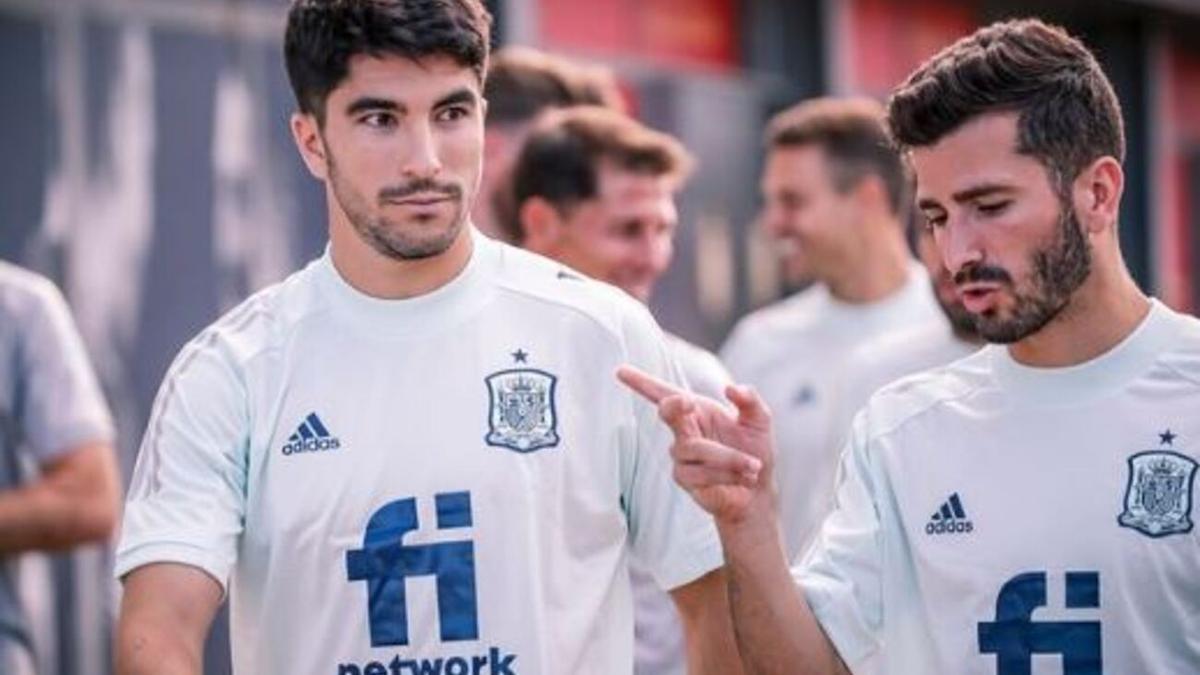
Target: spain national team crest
[
  {"x": 522, "y": 414},
  {"x": 1158, "y": 499}
]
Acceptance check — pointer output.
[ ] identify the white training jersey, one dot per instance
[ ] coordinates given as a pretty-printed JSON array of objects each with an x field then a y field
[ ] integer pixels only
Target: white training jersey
[
  {"x": 446, "y": 484},
  {"x": 995, "y": 519},
  {"x": 890, "y": 357},
  {"x": 659, "y": 647},
  {"x": 794, "y": 353}
]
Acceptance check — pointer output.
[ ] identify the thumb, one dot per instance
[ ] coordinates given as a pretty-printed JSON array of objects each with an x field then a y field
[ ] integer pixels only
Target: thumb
[{"x": 752, "y": 411}]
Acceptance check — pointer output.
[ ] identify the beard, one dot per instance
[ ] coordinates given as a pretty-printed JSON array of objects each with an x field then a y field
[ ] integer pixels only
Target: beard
[
  {"x": 1058, "y": 270},
  {"x": 414, "y": 239}
]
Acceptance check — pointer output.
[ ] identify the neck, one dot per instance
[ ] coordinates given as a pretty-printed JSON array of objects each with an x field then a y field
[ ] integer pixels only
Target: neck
[
  {"x": 1102, "y": 313},
  {"x": 380, "y": 276},
  {"x": 880, "y": 267}
]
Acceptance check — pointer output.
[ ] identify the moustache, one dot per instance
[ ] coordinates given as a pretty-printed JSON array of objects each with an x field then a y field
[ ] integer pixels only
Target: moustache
[
  {"x": 981, "y": 273},
  {"x": 421, "y": 185}
]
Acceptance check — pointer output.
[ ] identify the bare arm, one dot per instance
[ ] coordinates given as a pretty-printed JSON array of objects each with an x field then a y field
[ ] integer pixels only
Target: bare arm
[
  {"x": 724, "y": 461},
  {"x": 166, "y": 613},
  {"x": 704, "y": 609},
  {"x": 74, "y": 501},
  {"x": 776, "y": 630}
]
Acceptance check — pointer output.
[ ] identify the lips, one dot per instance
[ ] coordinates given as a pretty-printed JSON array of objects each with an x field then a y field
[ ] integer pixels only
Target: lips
[
  {"x": 421, "y": 201},
  {"x": 978, "y": 298}
]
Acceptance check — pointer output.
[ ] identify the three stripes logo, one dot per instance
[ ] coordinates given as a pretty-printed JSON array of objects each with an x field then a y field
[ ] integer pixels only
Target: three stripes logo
[
  {"x": 950, "y": 518},
  {"x": 311, "y": 436}
]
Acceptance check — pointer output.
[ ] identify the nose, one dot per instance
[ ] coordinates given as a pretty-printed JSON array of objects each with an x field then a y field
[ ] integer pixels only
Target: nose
[
  {"x": 422, "y": 160},
  {"x": 959, "y": 244}
]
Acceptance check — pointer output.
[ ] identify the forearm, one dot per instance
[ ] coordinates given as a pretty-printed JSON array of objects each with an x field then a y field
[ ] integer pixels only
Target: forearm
[
  {"x": 166, "y": 612},
  {"x": 711, "y": 648},
  {"x": 153, "y": 650},
  {"x": 776, "y": 631},
  {"x": 73, "y": 502}
]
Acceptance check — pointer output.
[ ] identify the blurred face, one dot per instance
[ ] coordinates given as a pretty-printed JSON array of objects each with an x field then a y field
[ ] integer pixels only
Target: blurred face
[
  {"x": 402, "y": 145},
  {"x": 625, "y": 234},
  {"x": 803, "y": 212},
  {"x": 1015, "y": 249}
]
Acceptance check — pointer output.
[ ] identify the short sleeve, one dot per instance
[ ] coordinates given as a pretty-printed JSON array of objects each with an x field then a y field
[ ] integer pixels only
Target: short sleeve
[
  {"x": 186, "y": 502},
  {"x": 62, "y": 406},
  {"x": 841, "y": 574},
  {"x": 670, "y": 534}
]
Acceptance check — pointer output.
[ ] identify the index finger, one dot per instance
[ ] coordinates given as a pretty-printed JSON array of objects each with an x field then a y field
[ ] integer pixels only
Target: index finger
[{"x": 649, "y": 387}]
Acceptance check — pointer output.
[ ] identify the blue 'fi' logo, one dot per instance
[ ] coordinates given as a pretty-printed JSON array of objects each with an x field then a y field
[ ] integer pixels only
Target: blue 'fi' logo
[
  {"x": 521, "y": 413},
  {"x": 1014, "y": 637},
  {"x": 1158, "y": 496},
  {"x": 385, "y": 561}
]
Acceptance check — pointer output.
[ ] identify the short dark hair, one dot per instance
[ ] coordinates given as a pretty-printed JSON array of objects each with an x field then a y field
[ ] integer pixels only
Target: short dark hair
[
  {"x": 323, "y": 35},
  {"x": 1068, "y": 115},
  {"x": 560, "y": 159},
  {"x": 852, "y": 134},
  {"x": 522, "y": 82}
]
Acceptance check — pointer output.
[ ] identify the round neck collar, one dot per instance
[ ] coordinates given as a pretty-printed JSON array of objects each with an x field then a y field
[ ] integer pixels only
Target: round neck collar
[
  {"x": 1095, "y": 378},
  {"x": 446, "y": 305}
]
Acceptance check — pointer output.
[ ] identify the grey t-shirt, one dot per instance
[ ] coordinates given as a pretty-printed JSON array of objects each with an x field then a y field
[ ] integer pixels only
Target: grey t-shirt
[{"x": 50, "y": 403}]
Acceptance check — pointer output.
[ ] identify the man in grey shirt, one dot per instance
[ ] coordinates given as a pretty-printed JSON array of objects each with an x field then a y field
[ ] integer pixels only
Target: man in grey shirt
[{"x": 59, "y": 485}]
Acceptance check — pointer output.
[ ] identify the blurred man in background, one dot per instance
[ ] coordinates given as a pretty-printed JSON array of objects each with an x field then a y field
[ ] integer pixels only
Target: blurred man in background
[
  {"x": 59, "y": 486},
  {"x": 595, "y": 190},
  {"x": 521, "y": 83},
  {"x": 836, "y": 195},
  {"x": 892, "y": 356}
]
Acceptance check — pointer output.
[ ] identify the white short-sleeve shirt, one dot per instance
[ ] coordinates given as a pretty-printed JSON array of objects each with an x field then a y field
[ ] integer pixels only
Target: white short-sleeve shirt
[
  {"x": 995, "y": 518},
  {"x": 453, "y": 481}
]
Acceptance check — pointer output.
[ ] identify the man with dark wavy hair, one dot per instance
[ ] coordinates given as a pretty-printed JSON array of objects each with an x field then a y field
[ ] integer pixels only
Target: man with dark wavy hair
[
  {"x": 1033, "y": 503},
  {"x": 410, "y": 456}
]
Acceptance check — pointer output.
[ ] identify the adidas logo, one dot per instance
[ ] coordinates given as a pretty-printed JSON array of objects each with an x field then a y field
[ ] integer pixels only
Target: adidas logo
[
  {"x": 311, "y": 436},
  {"x": 950, "y": 518}
]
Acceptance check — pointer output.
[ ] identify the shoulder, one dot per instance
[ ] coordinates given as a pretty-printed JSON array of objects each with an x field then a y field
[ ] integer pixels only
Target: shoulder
[
  {"x": 776, "y": 323},
  {"x": 263, "y": 322},
  {"x": 703, "y": 370},
  {"x": 23, "y": 291},
  {"x": 1183, "y": 360},
  {"x": 551, "y": 288},
  {"x": 914, "y": 396}
]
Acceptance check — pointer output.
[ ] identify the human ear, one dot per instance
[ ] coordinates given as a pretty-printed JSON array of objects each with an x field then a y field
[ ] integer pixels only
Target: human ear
[
  {"x": 541, "y": 225},
  {"x": 1097, "y": 193},
  {"x": 306, "y": 131}
]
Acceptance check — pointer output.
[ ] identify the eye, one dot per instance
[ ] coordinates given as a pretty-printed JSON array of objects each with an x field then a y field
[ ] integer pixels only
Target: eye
[
  {"x": 993, "y": 208},
  {"x": 378, "y": 120},
  {"x": 933, "y": 221},
  {"x": 452, "y": 113}
]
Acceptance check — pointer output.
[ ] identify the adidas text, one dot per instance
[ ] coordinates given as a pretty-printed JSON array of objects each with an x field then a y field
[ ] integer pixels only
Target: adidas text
[
  {"x": 311, "y": 445},
  {"x": 493, "y": 662},
  {"x": 949, "y": 527}
]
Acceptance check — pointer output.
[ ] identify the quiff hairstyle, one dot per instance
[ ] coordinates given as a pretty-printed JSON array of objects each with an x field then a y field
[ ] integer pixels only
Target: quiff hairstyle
[
  {"x": 323, "y": 35},
  {"x": 1067, "y": 113}
]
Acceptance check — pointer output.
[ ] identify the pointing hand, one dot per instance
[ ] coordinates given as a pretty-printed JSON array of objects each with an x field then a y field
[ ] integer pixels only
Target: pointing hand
[{"x": 722, "y": 456}]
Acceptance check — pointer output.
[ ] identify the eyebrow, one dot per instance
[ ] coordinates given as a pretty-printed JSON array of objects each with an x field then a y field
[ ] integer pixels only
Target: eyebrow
[
  {"x": 457, "y": 97},
  {"x": 365, "y": 103},
  {"x": 967, "y": 195}
]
